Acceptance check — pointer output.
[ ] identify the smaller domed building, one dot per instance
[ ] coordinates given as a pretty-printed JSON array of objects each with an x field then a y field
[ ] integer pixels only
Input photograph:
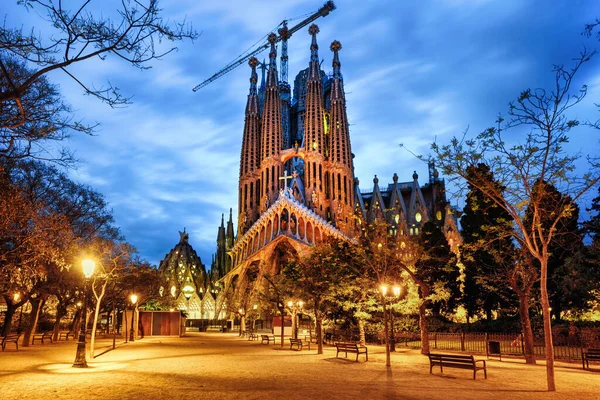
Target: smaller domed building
[{"x": 186, "y": 280}]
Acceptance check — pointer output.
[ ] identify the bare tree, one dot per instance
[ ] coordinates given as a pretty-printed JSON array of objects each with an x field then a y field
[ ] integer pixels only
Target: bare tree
[
  {"x": 31, "y": 110},
  {"x": 525, "y": 169}
]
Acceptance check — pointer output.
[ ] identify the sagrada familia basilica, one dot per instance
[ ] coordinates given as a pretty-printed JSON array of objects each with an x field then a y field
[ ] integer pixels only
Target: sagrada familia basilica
[{"x": 296, "y": 187}]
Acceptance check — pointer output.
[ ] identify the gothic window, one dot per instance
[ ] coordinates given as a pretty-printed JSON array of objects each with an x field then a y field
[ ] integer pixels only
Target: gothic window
[
  {"x": 418, "y": 217},
  {"x": 438, "y": 215}
]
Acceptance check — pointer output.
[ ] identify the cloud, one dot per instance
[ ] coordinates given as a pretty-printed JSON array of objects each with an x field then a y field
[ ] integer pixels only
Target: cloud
[{"x": 413, "y": 72}]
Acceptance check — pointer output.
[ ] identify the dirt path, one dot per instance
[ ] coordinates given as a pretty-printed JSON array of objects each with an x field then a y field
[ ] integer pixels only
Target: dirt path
[{"x": 223, "y": 366}]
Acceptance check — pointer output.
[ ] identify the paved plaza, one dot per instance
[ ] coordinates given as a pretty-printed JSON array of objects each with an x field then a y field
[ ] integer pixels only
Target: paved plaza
[{"x": 224, "y": 366}]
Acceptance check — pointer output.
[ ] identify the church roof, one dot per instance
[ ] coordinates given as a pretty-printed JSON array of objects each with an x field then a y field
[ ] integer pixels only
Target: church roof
[{"x": 182, "y": 266}]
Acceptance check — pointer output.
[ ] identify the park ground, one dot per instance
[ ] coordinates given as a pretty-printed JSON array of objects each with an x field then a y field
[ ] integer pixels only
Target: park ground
[{"x": 224, "y": 366}]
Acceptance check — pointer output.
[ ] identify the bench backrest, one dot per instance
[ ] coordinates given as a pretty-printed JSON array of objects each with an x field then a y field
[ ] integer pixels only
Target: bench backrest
[
  {"x": 451, "y": 358},
  {"x": 346, "y": 345},
  {"x": 593, "y": 352}
]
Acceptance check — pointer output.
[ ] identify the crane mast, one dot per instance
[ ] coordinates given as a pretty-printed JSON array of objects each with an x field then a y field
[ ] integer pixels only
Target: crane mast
[{"x": 284, "y": 35}]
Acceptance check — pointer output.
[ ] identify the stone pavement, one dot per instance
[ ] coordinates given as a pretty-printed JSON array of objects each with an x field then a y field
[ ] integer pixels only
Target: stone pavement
[{"x": 223, "y": 366}]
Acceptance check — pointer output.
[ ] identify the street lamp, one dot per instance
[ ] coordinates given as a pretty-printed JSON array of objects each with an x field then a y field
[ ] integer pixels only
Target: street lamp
[
  {"x": 134, "y": 299},
  {"x": 242, "y": 321},
  {"x": 386, "y": 317},
  {"x": 88, "y": 271}
]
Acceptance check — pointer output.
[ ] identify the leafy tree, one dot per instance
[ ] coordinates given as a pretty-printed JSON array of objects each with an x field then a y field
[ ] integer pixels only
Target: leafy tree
[
  {"x": 316, "y": 276},
  {"x": 519, "y": 165},
  {"x": 485, "y": 251},
  {"x": 567, "y": 287}
]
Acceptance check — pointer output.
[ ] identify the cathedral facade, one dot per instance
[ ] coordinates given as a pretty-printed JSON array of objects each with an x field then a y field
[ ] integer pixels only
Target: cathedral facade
[{"x": 297, "y": 183}]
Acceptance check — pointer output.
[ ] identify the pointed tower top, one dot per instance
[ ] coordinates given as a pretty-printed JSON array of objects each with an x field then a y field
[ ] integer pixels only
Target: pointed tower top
[
  {"x": 336, "y": 47},
  {"x": 376, "y": 180},
  {"x": 314, "y": 47},
  {"x": 395, "y": 178},
  {"x": 223, "y": 220},
  {"x": 415, "y": 176},
  {"x": 183, "y": 236},
  {"x": 272, "y": 74},
  {"x": 254, "y": 76}
]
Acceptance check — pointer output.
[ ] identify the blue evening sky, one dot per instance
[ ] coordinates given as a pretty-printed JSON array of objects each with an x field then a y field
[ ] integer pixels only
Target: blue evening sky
[{"x": 413, "y": 71}]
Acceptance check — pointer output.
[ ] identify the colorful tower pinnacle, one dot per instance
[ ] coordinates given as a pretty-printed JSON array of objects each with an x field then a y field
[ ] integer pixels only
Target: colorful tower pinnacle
[
  {"x": 340, "y": 155},
  {"x": 271, "y": 134},
  {"x": 314, "y": 131},
  {"x": 249, "y": 192}
]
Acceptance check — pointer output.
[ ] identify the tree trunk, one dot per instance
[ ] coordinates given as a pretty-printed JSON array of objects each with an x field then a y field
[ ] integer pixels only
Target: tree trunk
[
  {"x": 76, "y": 323},
  {"x": 8, "y": 316},
  {"x": 361, "y": 332},
  {"x": 386, "y": 331},
  {"x": 242, "y": 324},
  {"x": 392, "y": 333},
  {"x": 98, "y": 299},
  {"x": 281, "y": 311},
  {"x": 36, "y": 307},
  {"x": 547, "y": 327},
  {"x": 60, "y": 313},
  {"x": 526, "y": 327},
  {"x": 319, "y": 326},
  {"x": 424, "y": 329},
  {"x": 125, "y": 325},
  {"x": 424, "y": 293}
]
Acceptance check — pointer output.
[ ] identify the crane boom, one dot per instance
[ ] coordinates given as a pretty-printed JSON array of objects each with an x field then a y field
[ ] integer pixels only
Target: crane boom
[{"x": 321, "y": 12}]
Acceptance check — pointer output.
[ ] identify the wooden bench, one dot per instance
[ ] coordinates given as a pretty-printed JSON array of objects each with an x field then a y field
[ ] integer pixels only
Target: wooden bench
[
  {"x": 589, "y": 354},
  {"x": 343, "y": 347},
  {"x": 252, "y": 336},
  {"x": 299, "y": 344},
  {"x": 456, "y": 361},
  {"x": 11, "y": 338},
  {"x": 268, "y": 339},
  {"x": 41, "y": 336},
  {"x": 65, "y": 335}
]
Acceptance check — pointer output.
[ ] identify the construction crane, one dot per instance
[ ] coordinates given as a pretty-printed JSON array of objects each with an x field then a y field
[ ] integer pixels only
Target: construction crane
[{"x": 284, "y": 35}]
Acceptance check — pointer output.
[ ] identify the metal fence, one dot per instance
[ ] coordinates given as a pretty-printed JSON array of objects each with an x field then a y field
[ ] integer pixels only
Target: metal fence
[{"x": 565, "y": 348}]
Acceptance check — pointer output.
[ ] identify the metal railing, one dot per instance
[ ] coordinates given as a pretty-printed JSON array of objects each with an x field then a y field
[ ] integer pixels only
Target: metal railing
[{"x": 565, "y": 348}]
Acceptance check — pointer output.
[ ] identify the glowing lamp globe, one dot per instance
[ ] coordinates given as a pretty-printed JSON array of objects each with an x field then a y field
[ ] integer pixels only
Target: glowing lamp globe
[
  {"x": 384, "y": 289},
  {"x": 88, "y": 267},
  {"x": 133, "y": 298},
  {"x": 396, "y": 291}
]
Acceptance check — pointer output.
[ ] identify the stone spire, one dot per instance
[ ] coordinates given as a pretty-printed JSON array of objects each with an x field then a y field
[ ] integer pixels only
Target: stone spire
[
  {"x": 314, "y": 131},
  {"x": 229, "y": 235},
  {"x": 271, "y": 134},
  {"x": 340, "y": 155},
  {"x": 248, "y": 196},
  {"x": 314, "y": 71}
]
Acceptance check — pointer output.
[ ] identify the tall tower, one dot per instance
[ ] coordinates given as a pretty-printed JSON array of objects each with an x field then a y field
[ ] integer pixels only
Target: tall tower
[
  {"x": 284, "y": 87},
  {"x": 340, "y": 175},
  {"x": 271, "y": 167},
  {"x": 315, "y": 134},
  {"x": 249, "y": 191}
]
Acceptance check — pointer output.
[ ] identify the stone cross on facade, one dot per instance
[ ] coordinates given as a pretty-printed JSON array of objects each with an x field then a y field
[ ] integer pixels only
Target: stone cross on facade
[{"x": 285, "y": 178}]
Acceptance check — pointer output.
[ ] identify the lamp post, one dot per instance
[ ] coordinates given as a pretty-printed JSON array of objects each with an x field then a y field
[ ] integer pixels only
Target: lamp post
[
  {"x": 134, "y": 299},
  {"x": 88, "y": 271},
  {"x": 386, "y": 320}
]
